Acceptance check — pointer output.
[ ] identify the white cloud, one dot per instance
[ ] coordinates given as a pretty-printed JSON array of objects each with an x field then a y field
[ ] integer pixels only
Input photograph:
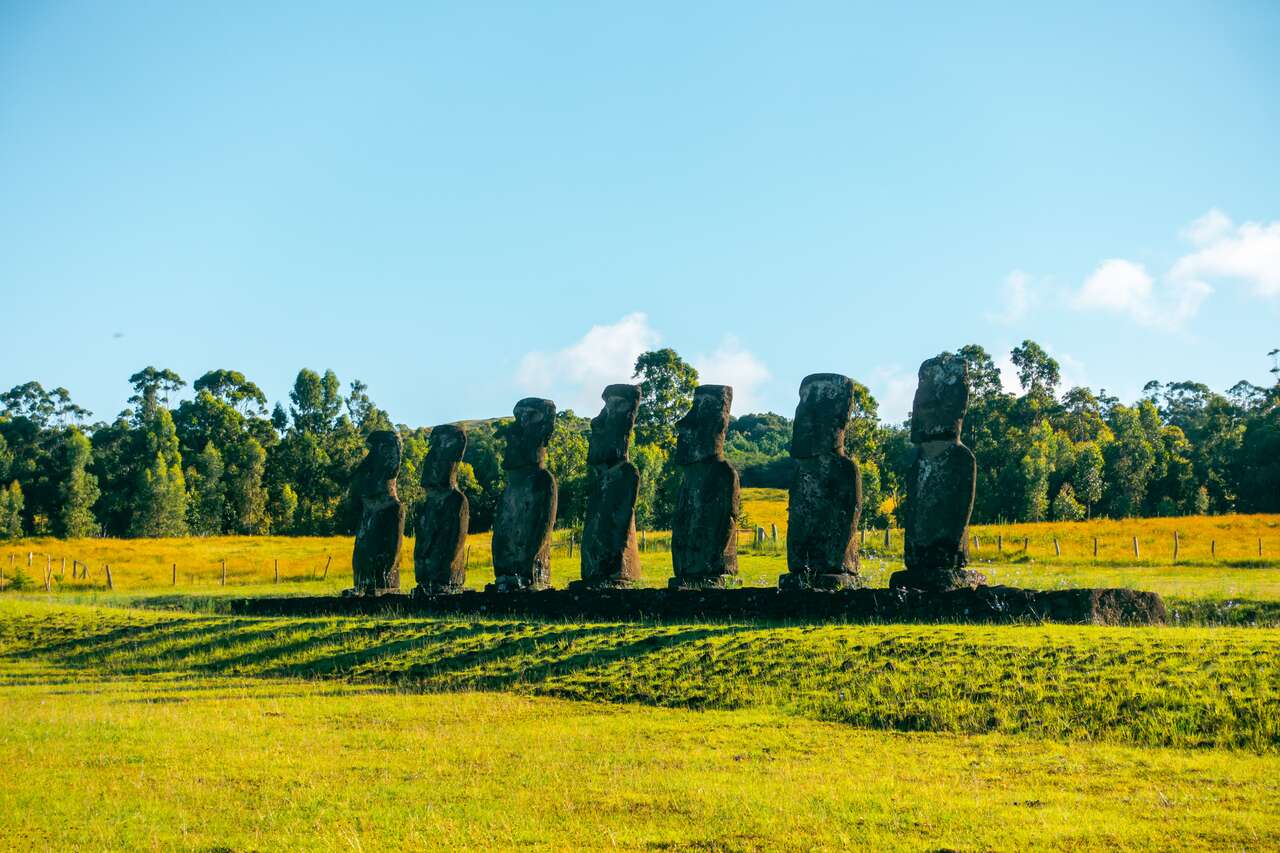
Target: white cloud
[
  {"x": 1017, "y": 298},
  {"x": 731, "y": 364},
  {"x": 894, "y": 389},
  {"x": 1248, "y": 253},
  {"x": 1207, "y": 228},
  {"x": 575, "y": 376},
  {"x": 1124, "y": 287}
]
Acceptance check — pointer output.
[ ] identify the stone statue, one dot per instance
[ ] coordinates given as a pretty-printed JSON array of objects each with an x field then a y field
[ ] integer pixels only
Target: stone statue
[
  {"x": 440, "y": 528},
  {"x": 609, "y": 554},
  {"x": 375, "y": 562},
  {"x": 826, "y": 494},
  {"x": 527, "y": 509},
  {"x": 704, "y": 540},
  {"x": 940, "y": 484}
]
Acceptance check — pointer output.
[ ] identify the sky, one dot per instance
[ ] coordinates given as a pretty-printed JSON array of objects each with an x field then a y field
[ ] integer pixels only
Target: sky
[{"x": 464, "y": 204}]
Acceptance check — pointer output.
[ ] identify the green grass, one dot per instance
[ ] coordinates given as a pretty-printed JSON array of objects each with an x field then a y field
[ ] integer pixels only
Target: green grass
[
  {"x": 1183, "y": 687},
  {"x": 213, "y": 763},
  {"x": 146, "y": 717}
]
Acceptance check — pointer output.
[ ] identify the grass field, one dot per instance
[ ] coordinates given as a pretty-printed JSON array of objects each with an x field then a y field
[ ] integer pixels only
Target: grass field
[
  {"x": 155, "y": 727},
  {"x": 1229, "y": 571}
]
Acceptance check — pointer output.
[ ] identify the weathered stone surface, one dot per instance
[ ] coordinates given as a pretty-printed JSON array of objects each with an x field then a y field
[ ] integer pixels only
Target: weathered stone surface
[
  {"x": 440, "y": 525},
  {"x": 826, "y": 494},
  {"x": 940, "y": 484},
  {"x": 983, "y": 605},
  {"x": 704, "y": 542},
  {"x": 375, "y": 562},
  {"x": 527, "y": 508},
  {"x": 609, "y": 554}
]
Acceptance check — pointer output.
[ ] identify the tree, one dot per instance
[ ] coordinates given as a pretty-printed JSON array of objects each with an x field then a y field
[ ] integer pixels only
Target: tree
[
  {"x": 1130, "y": 460},
  {"x": 207, "y": 492},
  {"x": 152, "y": 388},
  {"x": 1038, "y": 372},
  {"x": 666, "y": 393},
  {"x": 317, "y": 401},
  {"x": 1088, "y": 477},
  {"x": 78, "y": 489},
  {"x": 1038, "y": 464},
  {"x": 567, "y": 460},
  {"x": 31, "y": 401},
  {"x": 983, "y": 375},
  {"x": 364, "y": 414},
  {"x": 231, "y": 387},
  {"x": 11, "y": 505},
  {"x": 160, "y": 507},
  {"x": 1065, "y": 505},
  {"x": 246, "y": 497}
]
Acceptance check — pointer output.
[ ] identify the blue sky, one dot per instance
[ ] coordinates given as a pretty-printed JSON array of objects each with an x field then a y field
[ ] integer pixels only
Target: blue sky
[{"x": 463, "y": 204}]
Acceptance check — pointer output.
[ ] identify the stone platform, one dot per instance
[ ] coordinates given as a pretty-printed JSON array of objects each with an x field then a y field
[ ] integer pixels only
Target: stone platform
[{"x": 984, "y": 605}]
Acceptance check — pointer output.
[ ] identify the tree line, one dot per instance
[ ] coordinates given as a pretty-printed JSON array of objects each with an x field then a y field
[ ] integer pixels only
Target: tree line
[{"x": 220, "y": 462}]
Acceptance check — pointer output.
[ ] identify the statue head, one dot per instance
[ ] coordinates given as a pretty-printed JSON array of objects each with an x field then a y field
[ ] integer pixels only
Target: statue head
[
  {"x": 700, "y": 433},
  {"x": 611, "y": 429},
  {"x": 826, "y": 401},
  {"x": 528, "y": 435},
  {"x": 941, "y": 399},
  {"x": 377, "y": 472},
  {"x": 447, "y": 444}
]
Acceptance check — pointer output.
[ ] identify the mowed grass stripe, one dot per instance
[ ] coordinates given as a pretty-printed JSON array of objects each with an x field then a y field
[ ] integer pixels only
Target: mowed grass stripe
[{"x": 1215, "y": 687}]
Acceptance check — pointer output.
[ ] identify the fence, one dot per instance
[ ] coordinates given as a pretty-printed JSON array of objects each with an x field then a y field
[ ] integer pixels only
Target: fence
[{"x": 43, "y": 570}]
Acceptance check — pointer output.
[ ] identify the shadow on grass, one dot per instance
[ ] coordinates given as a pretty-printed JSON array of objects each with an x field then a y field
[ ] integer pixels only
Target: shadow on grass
[{"x": 417, "y": 638}]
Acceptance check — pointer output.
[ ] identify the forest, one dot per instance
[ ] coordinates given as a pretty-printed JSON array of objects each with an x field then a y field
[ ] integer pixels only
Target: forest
[{"x": 221, "y": 461}]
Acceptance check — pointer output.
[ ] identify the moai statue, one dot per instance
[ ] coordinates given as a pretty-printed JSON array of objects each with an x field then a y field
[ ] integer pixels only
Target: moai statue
[
  {"x": 704, "y": 536},
  {"x": 826, "y": 494},
  {"x": 527, "y": 509},
  {"x": 940, "y": 485},
  {"x": 440, "y": 528},
  {"x": 375, "y": 562},
  {"x": 609, "y": 554}
]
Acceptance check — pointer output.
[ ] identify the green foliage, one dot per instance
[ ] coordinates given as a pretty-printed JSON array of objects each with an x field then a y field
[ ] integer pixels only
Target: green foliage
[
  {"x": 11, "y": 505},
  {"x": 567, "y": 461},
  {"x": 78, "y": 489},
  {"x": 666, "y": 392},
  {"x": 1065, "y": 505}
]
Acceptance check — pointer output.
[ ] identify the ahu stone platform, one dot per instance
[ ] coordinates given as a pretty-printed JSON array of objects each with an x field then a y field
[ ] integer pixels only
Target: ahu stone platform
[{"x": 983, "y": 605}]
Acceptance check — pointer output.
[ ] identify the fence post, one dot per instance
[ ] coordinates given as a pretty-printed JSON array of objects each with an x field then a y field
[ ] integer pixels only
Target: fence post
[
  {"x": 1259, "y": 546},
  {"x": 1025, "y": 541},
  {"x": 28, "y": 559},
  {"x": 328, "y": 560},
  {"x": 773, "y": 530},
  {"x": 224, "y": 572},
  {"x": 466, "y": 560},
  {"x": 48, "y": 576},
  {"x": 886, "y": 537},
  {"x": 1000, "y": 542},
  {"x": 642, "y": 542},
  {"x": 277, "y": 568},
  {"x": 977, "y": 542},
  {"x": 110, "y": 583},
  {"x": 1136, "y": 555},
  {"x": 1095, "y": 547},
  {"x": 1175, "y": 546},
  {"x": 1213, "y": 547},
  {"x": 175, "y": 574},
  {"x": 571, "y": 544},
  {"x": 1057, "y": 549}
]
